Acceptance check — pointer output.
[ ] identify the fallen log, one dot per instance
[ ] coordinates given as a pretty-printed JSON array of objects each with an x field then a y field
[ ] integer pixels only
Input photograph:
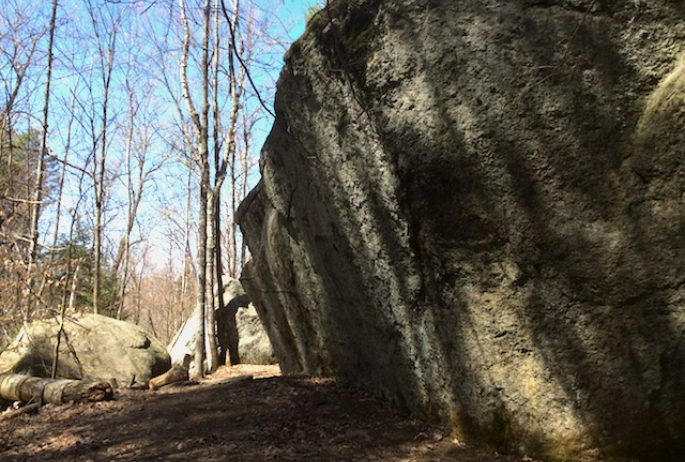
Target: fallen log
[
  {"x": 17, "y": 387},
  {"x": 174, "y": 375}
]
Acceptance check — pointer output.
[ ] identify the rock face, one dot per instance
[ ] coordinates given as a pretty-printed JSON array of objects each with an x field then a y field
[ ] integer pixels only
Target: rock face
[
  {"x": 95, "y": 347},
  {"x": 253, "y": 343},
  {"x": 476, "y": 209},
  {"x": 255, "y": 346}
]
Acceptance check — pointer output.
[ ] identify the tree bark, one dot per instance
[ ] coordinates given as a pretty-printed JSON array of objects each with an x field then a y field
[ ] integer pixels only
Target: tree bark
[{"x": 210, "y": 321}]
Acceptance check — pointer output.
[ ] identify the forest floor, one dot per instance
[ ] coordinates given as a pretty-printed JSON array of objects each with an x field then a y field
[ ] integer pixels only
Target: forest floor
[{"x": 242, "y": 413}]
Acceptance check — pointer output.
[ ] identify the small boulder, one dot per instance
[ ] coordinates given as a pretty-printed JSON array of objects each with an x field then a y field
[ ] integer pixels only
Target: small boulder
[{"x": 255, "y": 346}]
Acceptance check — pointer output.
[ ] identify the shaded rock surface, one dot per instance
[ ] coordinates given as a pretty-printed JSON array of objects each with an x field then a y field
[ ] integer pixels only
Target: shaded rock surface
[
  {"x": 254, "y": 346},
  {"x": 92, "y": 346},
  {"x": 476, "y": 210}
]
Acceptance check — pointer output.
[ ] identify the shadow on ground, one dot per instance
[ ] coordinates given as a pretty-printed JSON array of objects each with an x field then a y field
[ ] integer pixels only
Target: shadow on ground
[{"x": 277, "y": 418}]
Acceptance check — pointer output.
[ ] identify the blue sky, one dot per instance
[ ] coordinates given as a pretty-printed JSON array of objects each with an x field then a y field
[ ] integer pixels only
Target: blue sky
[
  {"x": 296, "y": 10},
  {"x": 287, "y": 23}
]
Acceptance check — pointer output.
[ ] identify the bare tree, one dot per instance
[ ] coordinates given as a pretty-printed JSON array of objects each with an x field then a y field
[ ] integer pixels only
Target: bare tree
[
  {"x": 20, "y": 37},
  {"x": 138, "y": 172},
  {"x": 58, "y": 201},
  {"x": 105, "y": 22},
  {"x": 37, "y": 196},
  {"x": 106, "y": 56},
  {"x": 19, "y": 41},
  {"x": 106, "y": 139},
  {"x": 201, "y": 125},
  {"x": 224, "y": 161}
]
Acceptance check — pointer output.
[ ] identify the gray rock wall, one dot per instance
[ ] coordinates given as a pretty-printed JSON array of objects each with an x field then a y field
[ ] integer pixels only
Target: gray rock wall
[{"x": 476, "y": 210}]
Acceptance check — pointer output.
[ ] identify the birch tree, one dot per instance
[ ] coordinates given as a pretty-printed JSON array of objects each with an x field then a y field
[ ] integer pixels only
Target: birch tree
[{"x": 200, "y": 122}]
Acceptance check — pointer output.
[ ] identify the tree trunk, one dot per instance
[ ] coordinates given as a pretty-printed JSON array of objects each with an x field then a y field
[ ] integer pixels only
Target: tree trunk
[
  {"x": 58, "y": 206},
  {"x": 40, "y": 173},
  {"x": 210, "y": 321},
  {"x": 226, "y": 324},
  {"x": 222, "y": 345},
  {"x": 121, "y": 261},
  {"x": 200, "y": 121},
  {"x": 106, "y": 57}
]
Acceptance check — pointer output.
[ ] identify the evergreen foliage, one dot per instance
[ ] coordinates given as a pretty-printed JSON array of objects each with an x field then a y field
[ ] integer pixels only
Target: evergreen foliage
[{"x": 74, "y": 268}]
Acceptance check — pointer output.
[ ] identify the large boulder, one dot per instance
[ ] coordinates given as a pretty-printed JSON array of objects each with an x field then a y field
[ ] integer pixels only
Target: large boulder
[
  {"x": 476, "y": 209},
  {"x": 238, "y": 326},
  {"x": 182, "y": 346},
  {"x": 91, "y": 346}
]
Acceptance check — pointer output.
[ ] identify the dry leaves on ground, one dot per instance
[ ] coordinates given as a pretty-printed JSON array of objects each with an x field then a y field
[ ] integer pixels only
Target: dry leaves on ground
[{"x": 268, "y": 417}]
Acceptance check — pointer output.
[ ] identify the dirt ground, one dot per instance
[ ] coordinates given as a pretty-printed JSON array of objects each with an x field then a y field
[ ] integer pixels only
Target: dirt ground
[{"x": 232, "y": 417}]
